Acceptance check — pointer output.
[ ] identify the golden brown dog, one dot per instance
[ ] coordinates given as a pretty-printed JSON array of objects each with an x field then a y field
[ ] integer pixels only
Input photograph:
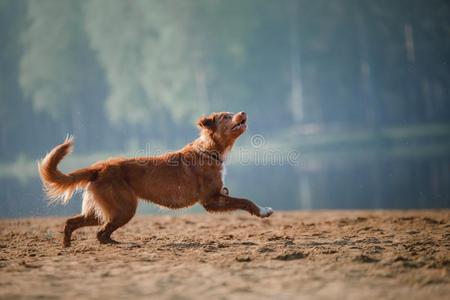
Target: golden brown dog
[{"x": 174, "y": 180}]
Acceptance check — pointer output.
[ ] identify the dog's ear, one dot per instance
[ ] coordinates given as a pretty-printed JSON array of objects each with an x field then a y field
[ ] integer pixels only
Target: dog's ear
[{"x": 206, "y": 122}]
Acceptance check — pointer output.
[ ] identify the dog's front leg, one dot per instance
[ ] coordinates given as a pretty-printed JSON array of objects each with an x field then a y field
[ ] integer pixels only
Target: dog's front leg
[{"x": 221, "y": 203}]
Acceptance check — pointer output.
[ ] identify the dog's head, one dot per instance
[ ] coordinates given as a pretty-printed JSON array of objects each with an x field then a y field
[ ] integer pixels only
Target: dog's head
[{"x": 223, "y": 127}]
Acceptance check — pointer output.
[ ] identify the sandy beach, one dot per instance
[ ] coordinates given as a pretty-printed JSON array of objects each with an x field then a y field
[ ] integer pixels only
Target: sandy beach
[{"x": 292, "y": 255}]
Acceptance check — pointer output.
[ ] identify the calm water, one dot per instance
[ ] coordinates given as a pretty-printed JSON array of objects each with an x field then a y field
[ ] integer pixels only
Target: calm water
[{"x": 376, "y": 183}]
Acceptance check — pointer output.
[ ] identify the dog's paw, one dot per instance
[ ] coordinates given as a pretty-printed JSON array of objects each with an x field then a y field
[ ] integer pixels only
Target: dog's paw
[{"x": 265, "y": 212}]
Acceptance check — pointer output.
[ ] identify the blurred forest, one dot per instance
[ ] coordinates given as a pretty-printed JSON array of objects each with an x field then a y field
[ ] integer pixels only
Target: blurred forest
[
  {"x": 360, "y": 88},
  {"x": 121, "y": 73}
]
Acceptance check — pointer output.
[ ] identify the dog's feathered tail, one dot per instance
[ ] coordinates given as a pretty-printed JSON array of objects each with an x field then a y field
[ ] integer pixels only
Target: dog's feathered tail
[{"x": 59, "y": 186}]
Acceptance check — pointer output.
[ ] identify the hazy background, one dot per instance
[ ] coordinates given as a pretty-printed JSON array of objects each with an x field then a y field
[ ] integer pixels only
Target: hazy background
[{"x": 358, "y": 90}]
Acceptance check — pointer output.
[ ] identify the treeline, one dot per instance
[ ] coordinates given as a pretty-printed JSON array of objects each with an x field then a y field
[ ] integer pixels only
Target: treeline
[{"x": 120, "y": 73}]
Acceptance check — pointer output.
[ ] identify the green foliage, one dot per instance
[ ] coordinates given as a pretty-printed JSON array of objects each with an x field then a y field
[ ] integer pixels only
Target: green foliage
[
  {"x": 163, "y": 58},
  {"x": 50, "y": 73},
  {"x": 114, "y": 71}
]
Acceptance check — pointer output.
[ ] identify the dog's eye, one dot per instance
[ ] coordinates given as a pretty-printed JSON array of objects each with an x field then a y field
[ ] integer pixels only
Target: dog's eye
[{"x": 227, "y": 117}]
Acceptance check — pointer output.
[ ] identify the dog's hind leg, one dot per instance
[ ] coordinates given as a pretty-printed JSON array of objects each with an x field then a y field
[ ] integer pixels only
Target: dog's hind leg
[
  {"x": 118, "y": 204},
  {"x": 76, "y": 222},
  {"x": 90, "y": 216},
  {"x": 104, "y": 234},
  {"x": 118, "y": 220}
]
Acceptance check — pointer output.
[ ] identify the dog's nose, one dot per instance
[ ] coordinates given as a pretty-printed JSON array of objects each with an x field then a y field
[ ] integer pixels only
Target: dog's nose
[{"x": 243, "y": 114}]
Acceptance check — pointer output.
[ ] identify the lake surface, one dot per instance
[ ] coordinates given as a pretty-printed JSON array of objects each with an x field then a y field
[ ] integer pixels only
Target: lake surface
[{"x": 369, "y": 183}]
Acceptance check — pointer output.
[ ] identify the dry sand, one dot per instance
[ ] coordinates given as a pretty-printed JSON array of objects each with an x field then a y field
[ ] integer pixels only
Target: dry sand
[{"x": 296, "y": 255}]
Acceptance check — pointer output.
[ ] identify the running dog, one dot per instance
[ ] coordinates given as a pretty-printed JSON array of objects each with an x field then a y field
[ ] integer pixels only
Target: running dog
[{"x": 175, "y": 180}]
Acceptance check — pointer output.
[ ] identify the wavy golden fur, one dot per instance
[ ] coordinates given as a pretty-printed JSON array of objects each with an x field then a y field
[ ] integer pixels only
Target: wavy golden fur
[{"x": 176, "y": 179}]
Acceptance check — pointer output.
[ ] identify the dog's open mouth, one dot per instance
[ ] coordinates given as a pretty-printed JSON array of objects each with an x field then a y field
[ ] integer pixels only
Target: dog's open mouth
[{"x": 240, "y": 124}]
